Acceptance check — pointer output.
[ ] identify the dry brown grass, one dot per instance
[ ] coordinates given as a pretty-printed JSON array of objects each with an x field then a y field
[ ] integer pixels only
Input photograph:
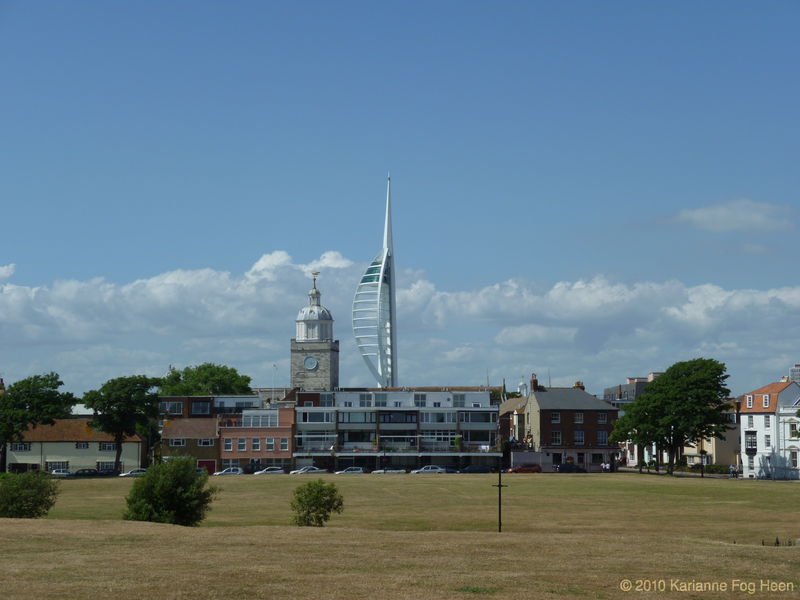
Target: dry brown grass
[{"x": 413, "y": 537}]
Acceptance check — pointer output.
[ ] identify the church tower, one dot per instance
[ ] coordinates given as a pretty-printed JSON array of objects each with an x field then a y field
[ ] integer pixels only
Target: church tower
[{"x": 315, "y": 354}]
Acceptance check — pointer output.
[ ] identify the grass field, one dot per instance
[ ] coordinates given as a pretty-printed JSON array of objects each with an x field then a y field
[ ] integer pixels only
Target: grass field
[{"x": 403, "y": 536}]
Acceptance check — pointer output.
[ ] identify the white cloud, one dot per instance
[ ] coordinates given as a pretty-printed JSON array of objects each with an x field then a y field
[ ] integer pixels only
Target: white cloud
[
  {"x": 737, "y": 215},
  {"x": 596, "y": 330},
  {"x": 7, "y": 271}
]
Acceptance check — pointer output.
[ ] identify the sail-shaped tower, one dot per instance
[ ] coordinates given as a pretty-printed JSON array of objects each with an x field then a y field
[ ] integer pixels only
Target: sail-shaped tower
[{"x": 374, "y": 308}]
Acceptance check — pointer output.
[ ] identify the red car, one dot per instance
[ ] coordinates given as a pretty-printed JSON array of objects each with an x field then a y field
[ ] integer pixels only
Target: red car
[{"x": 525, "y": 469}]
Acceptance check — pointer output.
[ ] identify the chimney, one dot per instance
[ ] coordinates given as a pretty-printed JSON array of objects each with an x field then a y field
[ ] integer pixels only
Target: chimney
[
  {"x": 579, "y": 386},
  {"x": 534, "y": 383}
]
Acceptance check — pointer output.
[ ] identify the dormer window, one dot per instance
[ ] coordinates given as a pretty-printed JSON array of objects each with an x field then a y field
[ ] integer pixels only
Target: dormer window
[
  {"x": 749, "y": 399},
  {"x": 766, "y": 400}
]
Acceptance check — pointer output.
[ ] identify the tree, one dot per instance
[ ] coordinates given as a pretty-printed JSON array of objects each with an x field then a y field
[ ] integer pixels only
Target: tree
[
  {"x": 123, "y": 405},
  {"x": 314, "y": 502},
  {"x": 204, "y": 380},
  {"x": 30, "y": 402},
  {"x": 685, "y": 404},
  {"x": 27, "y": 495},
  {"x": 170, "y": 492}
]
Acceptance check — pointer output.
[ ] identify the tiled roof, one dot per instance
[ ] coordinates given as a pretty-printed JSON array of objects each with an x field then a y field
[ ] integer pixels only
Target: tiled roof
[
  {"x": 568, "y": 399},
  {"x": 773, "y": 389},
  {"x": 192, "y": 429},
  {"x": 513, "y": 405},
  {"x": 70, "y": 430}
]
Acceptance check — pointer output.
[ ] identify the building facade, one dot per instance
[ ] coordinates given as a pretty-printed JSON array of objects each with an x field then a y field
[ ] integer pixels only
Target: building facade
[
  {"x": 396, "y": 428},
  {"x": 770, "y": 440}
]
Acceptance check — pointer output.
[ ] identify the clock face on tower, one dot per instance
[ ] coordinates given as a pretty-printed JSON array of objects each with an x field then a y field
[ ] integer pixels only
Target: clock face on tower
[{"x": 310, "y": 363}]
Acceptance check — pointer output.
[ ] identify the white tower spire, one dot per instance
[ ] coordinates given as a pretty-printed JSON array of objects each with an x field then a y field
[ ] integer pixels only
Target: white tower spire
[{"x": 374, "y": 307}]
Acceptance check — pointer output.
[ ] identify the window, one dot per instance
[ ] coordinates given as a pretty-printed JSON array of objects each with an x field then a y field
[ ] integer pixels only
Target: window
[
  {"x": 579, "y": 417},
  {"x": 326, "y": 399},
  {"x": 230, "y": 462},
  {"x": 793, "y": 430},
  {"x": 458, "y": 400},
  {"x": 555, "y": 438},
  {"x": 56, "y": 464},
  {"x": 476, "y": 405},
  {"x": 749, "y": 399},
  {"x": 255, "y": 443},
  {"x": 270, "y": 444},
  {"x": 269, "y": 419},
  {"x": 602, "y": 418},
  {"x": 347, "y": 404},
  {"x": 105, "y": 465},
  {"x": 81, "y": 445},
  {"x": 170, "y": 408},
  {"x": 319, "y": 417},
  {"x": 201, "y": 408},
  {"x": 177, "y": 442},
  {"x": 420, "y": 400},
  {"x": 437, "y": 405},
  {"x": 21, "y": 447},
  {"x": 750, "y": 442},
  {"x": 555, "y": 417},
  {"x": 308, "y": 403},
  {"x": 766, "y": 400},
  {"x": 241, "y": 444},
  {"x": 766, "y": 421},
  {"x": 602, "y": 438},
  {"x": 398, "y": 404},
  {"x": 579, "y": 440},
  {"x": 357, "y": 417},
  {"x": 228, "y": 444},
  {"x": 284, "y": 444},
  {"x": 380, "y": 398},
  {"x": 205, "y": 442},
  {"x": 108, "y": 447},
  {"x": 365, "y": 400},
  {"x": 768, "y": 441},
  {"x": 750, "y": 419},
  {"x": 751, "y": 463},
  {"x": 793, "y": 458}
]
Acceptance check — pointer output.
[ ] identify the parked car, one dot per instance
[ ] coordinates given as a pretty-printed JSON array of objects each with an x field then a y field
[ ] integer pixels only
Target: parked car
[
  {"x": 134, "y": 473},
  {"x": 107, "y": 473},
  {"x": 351, "y": 471},
  {"x": 309, "y": 469},
  {"x": 525, "y": 469},
  {"x": 86, "y": 473},
  {"x": 476, "y": 469},
  {"x": 61, "y": 473},
  {"x": 231, "y": 471},
  {"x": 429, "y": 469},
  {"x": 271, "y": 471},
  {"x": 387, "y": 471}
]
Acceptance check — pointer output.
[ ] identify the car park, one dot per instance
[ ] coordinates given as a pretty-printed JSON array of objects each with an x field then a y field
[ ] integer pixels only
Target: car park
[
  {"x": 271, "y": 471},
  {"x": 308, "y": 470},
  {"x": 134, "y": 473},
  {"x": 351, "y": 471},
  {"x": 429, "y": 469},
  {"x": 61, "y": 473},
  {"x": 231, "y": 471},
  {"x": 525, "y": 469}
]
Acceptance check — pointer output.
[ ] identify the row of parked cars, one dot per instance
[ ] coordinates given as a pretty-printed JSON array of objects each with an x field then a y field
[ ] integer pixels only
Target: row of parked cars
[{"x": 356, "y": 470}]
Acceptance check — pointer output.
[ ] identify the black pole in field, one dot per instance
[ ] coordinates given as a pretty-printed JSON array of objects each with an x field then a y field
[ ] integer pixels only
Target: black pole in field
[{"x": 500, "y": 487}]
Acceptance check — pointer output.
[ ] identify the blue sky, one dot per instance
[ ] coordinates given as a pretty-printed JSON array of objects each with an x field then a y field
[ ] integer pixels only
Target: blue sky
[{"x": 596, "y": 190}]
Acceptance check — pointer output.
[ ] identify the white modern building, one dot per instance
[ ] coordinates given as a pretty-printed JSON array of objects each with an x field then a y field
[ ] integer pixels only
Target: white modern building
[
  {"x": 770, "y": 439},
  {"x": 397, "y": 428},
  {"x": 374, "y": 309}
]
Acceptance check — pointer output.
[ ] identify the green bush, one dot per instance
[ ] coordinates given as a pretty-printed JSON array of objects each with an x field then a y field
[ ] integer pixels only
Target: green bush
[
  {"x": 27, "y": 495},
  {"x": 170, "y": 492},
  {"x": 314, "y": 502}
]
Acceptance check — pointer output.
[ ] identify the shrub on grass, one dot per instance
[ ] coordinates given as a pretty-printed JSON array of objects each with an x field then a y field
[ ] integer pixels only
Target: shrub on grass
[
  {"x": 314, "y": 502},
  {"x": 27, "y": 495},
  {"x": 170, "y": 492}
]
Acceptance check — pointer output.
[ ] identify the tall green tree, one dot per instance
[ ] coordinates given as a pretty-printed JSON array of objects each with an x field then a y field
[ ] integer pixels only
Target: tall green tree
[
  {"x": 122, "y": 406},
  {"x": 684, "y": 405},
  {"x": 204, "y": 380},
  {"x": 30, "y": 402}
]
